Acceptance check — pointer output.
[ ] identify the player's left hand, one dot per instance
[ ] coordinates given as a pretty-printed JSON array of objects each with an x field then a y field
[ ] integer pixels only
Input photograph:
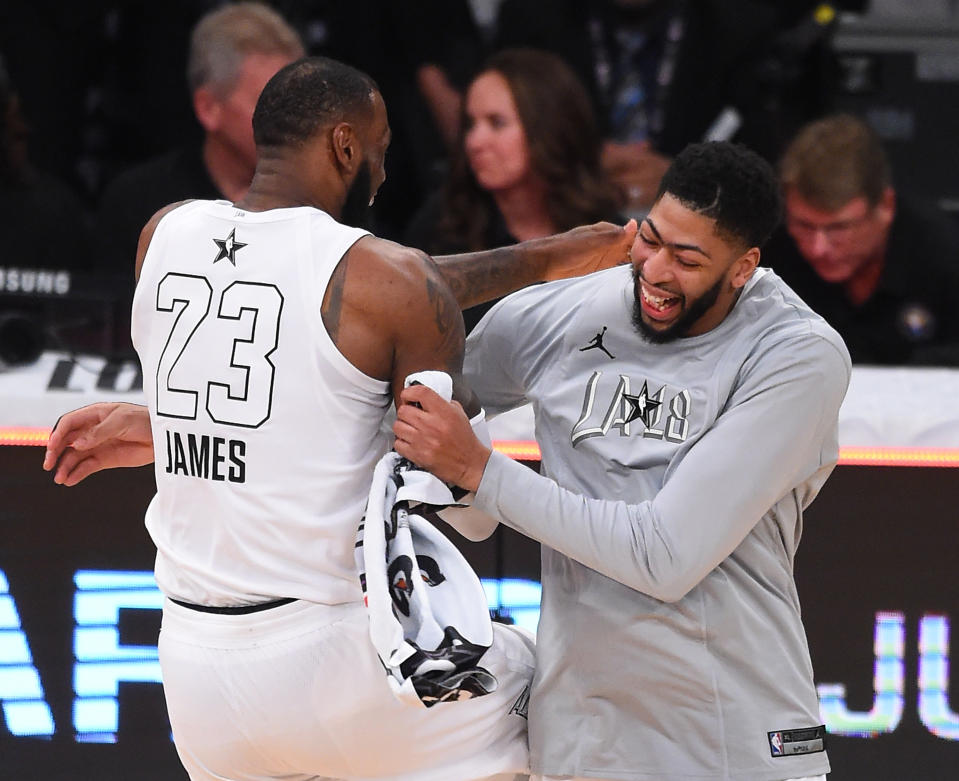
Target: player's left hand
[{"x": 436, "y": 435}]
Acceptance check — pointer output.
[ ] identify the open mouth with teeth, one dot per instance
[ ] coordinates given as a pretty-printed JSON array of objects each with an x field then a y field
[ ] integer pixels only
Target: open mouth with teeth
[{"x": 659, "y": 307}]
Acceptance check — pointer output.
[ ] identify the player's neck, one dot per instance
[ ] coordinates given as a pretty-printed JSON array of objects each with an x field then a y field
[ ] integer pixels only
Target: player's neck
[{"x": 278, "y": 184}]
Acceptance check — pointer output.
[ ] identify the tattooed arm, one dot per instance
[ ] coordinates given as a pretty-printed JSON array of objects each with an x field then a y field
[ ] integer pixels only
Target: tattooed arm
[
  {"x": 482, "y": 276},
  {"x": 390, "y": 311}
]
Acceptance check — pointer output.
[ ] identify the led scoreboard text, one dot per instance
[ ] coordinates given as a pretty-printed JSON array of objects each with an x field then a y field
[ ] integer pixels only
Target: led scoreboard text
[{"x": 102, "y": 662}]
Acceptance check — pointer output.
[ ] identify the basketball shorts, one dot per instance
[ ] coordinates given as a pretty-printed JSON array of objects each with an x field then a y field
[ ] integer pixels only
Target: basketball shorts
[{"x": 297, "y": 692}]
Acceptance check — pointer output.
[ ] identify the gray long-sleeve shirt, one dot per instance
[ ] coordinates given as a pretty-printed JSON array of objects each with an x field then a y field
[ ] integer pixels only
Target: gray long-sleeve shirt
[{"x": 670, "y": 643}]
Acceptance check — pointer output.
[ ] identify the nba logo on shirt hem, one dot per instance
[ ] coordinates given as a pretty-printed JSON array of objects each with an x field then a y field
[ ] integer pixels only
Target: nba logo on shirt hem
[
  {"x": 776, "y": 743},
  {"x": 807, "y": 740}
]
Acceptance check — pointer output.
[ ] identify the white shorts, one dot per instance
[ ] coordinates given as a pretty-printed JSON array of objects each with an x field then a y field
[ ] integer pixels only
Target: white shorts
[{"x": 297, "y": 692}]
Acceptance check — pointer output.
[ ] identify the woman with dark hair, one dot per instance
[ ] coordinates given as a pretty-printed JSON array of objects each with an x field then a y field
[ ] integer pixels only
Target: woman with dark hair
[{"x": 527, "y": 164}]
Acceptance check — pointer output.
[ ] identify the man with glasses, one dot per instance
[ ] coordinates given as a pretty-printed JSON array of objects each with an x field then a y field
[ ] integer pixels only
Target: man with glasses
[{"x": 882, "y": 269}]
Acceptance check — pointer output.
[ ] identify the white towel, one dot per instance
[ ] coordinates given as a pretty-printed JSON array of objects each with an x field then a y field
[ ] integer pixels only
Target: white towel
[{"x": 429, "y": 620}]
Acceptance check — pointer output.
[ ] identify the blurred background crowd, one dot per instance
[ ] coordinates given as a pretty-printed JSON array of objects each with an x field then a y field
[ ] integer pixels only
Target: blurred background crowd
[{"x": 511, "y": 119}]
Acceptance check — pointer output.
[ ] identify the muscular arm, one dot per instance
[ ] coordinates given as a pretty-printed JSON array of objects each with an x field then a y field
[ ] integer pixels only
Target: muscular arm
[
  {"x": 391, "y": 313},
  {"x": 778, "y": 435},
  {"x": 476, "y": 277}
]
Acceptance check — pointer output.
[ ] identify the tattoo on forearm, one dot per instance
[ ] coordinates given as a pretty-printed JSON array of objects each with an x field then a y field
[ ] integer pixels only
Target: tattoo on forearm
[{"x": 482, "y": 276}]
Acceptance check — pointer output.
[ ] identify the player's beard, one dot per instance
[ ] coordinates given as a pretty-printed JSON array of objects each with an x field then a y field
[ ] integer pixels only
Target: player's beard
[
  {"x": 692, "y": 311},
  {"x": 356, "y": 207}
]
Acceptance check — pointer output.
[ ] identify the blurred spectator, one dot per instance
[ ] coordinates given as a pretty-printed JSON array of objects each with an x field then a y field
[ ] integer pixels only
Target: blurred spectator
[
  {"x": 881, "y": 267},
  {"x": 234, "y": 51},
  {"x": 44, "y": 233},
  {"x": 41, "y": 219},
  {"x": 527, "y": 164},
  {"x": 34, "y": 33},
  {"x": 421, "y": 53},
  {"x": 125, "y": 124},
  {"x": 664, "y": 73}
]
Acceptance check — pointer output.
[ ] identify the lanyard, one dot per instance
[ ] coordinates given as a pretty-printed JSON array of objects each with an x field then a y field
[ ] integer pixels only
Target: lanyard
[{"x": 610, "y": 72}]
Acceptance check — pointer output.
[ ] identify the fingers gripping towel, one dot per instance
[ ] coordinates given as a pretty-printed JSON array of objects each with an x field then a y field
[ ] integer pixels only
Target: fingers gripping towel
[{"x": 429, "y": 620}]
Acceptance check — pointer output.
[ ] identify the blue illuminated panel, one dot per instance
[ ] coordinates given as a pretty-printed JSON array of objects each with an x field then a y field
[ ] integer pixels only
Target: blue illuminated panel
[
  {"x": 517, "y": 598},
  {"x": 24, "y": 705},
  {"x": 888, "y": 681},
  {"x": 101, "y": 662},
  {"x": 934, "y": 710}
]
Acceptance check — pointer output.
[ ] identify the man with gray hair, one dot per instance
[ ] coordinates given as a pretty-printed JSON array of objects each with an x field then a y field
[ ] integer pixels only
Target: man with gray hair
[{"x": 234, "y": 51}]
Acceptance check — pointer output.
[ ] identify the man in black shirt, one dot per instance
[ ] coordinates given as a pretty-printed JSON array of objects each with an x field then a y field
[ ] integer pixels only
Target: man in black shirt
[{"x": 883, "y": 269}]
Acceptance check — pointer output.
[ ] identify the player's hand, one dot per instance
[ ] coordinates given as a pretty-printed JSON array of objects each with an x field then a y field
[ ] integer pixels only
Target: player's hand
[
  {"x": 98, "y": 436},
  {"x": 436, "y": 435},
  {"x": 588, "y": 248}
]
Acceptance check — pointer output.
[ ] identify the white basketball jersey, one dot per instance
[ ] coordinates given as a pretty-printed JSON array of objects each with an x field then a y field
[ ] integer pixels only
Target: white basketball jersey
[{"x": 265, "y": 435}]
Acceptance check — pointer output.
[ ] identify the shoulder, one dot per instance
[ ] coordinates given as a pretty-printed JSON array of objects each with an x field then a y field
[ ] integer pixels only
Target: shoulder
[
  {"x": 777, "y": 322},
  {"x": 542, "y": 312},
  {"x": 146, "y": 235},
  {"x": 922, "y": 233},
  {"x": 389, "y": 275},
  {"x": 390, "y": 257},
  {"x": 136, "y": 193}
]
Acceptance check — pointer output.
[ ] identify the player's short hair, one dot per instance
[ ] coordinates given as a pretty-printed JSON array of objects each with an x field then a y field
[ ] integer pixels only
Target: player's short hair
[
  {"x": 730, "y": 184},
  {"x": 833, "y": 160},
  {"x": 223, "y": 38},
  {"x": 309, "y": 94}
]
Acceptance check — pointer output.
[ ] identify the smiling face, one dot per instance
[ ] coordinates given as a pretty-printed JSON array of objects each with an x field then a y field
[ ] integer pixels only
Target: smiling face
[
  {"x": 687, "y": 276},
  {"x": 495, "y": 140}
]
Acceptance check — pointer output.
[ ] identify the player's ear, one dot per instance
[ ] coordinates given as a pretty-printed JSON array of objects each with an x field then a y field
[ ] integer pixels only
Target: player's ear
[
  {"x": 744, "y": 266},
  {"x": 208, "y": 108},
  {"x": 886, "y": 208},
  {"x": 346, "y": 146}
]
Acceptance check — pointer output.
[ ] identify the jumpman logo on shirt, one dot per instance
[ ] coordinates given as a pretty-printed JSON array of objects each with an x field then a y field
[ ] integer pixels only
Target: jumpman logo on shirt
[{"x": 596, "y": 343}]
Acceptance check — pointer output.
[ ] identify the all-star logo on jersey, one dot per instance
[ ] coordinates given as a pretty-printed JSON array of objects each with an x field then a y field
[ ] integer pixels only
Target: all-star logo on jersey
[
  {"x": 596, "y": 343},
  {"x": 664, "y": 414},
  {"x": 228, "y": 248},
  {"x": 641, "y": 406}
]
